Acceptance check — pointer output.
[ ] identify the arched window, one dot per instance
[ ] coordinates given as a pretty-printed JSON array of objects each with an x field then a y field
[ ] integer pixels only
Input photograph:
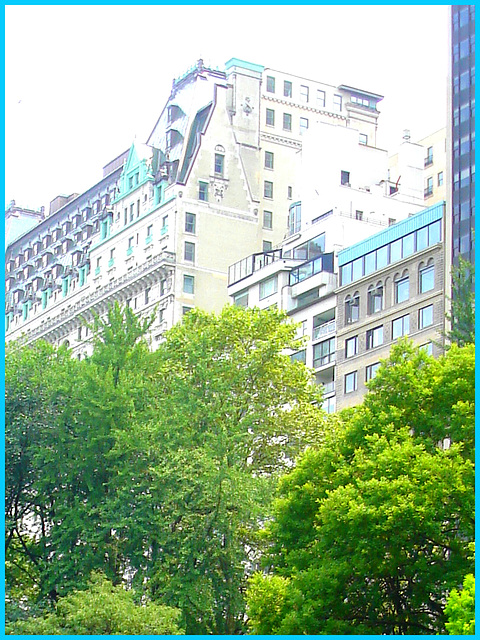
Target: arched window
[
  {"x": 352, "y": 308},
  {"x": 402, "y": 287},
  {"x": 375, "y": 298},
  {"x": 426, "y": 276}
]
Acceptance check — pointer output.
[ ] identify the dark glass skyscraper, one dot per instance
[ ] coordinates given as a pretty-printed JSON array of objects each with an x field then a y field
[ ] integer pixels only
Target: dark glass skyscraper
[{"x": 463, "y": 131}]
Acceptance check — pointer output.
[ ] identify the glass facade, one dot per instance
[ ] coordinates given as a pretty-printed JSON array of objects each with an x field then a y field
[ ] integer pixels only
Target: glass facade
[{"x": 463, "y": 131}]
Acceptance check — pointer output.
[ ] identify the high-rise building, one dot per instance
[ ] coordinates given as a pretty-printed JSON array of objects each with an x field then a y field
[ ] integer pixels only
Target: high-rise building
[
  {"x": 214, "y": 182},
  {"x": 460, "y": 219}
]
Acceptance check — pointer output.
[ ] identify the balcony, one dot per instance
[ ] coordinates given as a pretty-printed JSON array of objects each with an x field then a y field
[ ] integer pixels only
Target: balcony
[
  {"x": 324, "y": 329},
  {"x": 428, "y": 161},
  {"x": 328, "y": 387},
  {"x": 427, "y": 192},
  {"x": 324, "y": 360},
  {"x": 311, "y": 268},
  {"x": 244, "y": 268}
]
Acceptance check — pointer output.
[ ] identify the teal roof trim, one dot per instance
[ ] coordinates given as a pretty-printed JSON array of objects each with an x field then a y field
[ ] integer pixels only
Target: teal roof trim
[
  {"x": 402, "y": 228},
  {"x": 236, "y": 62}
]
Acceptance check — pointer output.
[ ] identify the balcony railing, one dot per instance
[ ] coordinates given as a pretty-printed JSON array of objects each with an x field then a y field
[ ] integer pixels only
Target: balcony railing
[
  {"x": 324, "y": 329},
  {"x": 244, "y": 268},
  {"x": 428, "y": 192},
  {"x": 428, "y": 161},
  {"x": 328, "y": 387}
]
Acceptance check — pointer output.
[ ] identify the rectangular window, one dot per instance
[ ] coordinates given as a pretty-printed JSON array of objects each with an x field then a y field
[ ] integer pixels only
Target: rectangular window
[
  {"x": 189, "y": 252},
  {"x": 203, "y": 191},
  {"x": 149, "y": 230},
  {"x": 270, "y": 118},
  {"x": 363, "y": 138},
  {"x": 268, "y": 287},
  {"x": 304, "y": 91},
  {"x": 427, "y": 347},
  {"x": 219, "y": 163},
  {"x": 147, "y": 295},
  {"x": 130, "y": 243},
  {"x": 289, "y": 193},
  {"x": 427, "y": 278},
  {"x": 351, "y": 347},
  {"x": 190, "y": 222},
  {"x": 396, "y": 250},
  {"x": 324, "y": 353},
  {"x": 345, "y": 178},
  {"x": 270, "y": 84},
  {"x": 267, "y": 245},
  {"x": 300, "y": 356},
  {"x": 337, "y": 102},
  {"x": 382, "y": 257},
  {"x": 371, "y": 371},
  {"x": 429, "y": 158},
  {"x": 268, "y": 160},
  {"x": 425, "y": 317},
  {"x": 429, "y": 187},
  {"x": 400, "y": 327},
  {"x": 188, "y": 284},
  {"x": 185, "y": 310},
  {"x": 241, "y": 299},
  {"x": 440, "y": 179},
  {"x": 402, "y": 290},
  {"x": 287, "y": 89},
  {"x": 408, "y": 245},
  {"x": 320, "y": 98},
  {"x": 267, "y": 219},
  {"x": 303, "y": 124},
  {"x": 351, "y": 382},
  {"x": 352, "y": 309},
  {"x": 287, "y": 121},
  {"x": 267, "y": 189},
  {"x": 132, "y": 211},
  {"x": 374, "y": 337}
]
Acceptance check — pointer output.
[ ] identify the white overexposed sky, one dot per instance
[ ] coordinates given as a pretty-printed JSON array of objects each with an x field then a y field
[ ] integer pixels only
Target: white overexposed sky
[{"x": 83, "y": 81}]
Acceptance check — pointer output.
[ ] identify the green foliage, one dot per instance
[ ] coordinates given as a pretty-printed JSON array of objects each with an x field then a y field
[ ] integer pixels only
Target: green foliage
[
  {"x": 460, "y": 609},
  {"x": 157, "y": 464},
  {"x": 462, "y": 313},
  {"x": 371, "y": 528},
  {"x": 102, "y": 609}
]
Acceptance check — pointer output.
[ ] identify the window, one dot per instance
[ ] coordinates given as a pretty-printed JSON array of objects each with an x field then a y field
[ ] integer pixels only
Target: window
[
  {"x": 267, "y": 220},
  {"x": 351, "y": 347},
  {"x": 402, "y": 289},
  {"x": 425, "y": 317},
  {"x": 289, "y": 193},
  {"x": 130, "y": 242},
  {"x": 400, "y": 327},
  {"x": 189, "y": 252},
  {"x": 287, "y": 89},
  {"x": 429, "y": 158},
  {"x": 440, "y": 179},
  {"x": 320, "y": 98},
  {"x": 147, "y": 295},
  {"x": 324, "y": 353},
  {"x": 337, "y": 102},
  {"x": 303, "y": 124},
  {"x": 149, "y": 230},
  {"x": 267, "y": 245},
  {"x": 188, "y": 284},
  {"x": 300, "y": 356},
  {"x": 185, "y": 310},
  {"x": 287, "y": 121},
  {"x": 429, "y": 187},
  {"x": 304, "y": 93},
  {"x": 351, "y": 382},
  {"x": 375, "y": 299},
  {"x": 427, "y": 347},
  {"x": 345, "y": 178},
  {"x": 426, "y": 277},
  {"x": 371, "y": 371},
  {"x": 270, "y": 118},
  {"x": 190, "y": 222},
  {"x": 374, "y": 337},
  {"x": 295, "y": 218},
  {"x": 268, "y": 160},
  {"x": 352, "y": 308},
  {"x": 203, "y": 191},
  {"x": 363, "y": 138},
  {"x": 132, "y": 211},
  {"x": 358, "y": 215},
  {"x": 267, "y": 189},
  {"x": 219, "y": 163},
  {"x": 270, "y": 84},
  {"x": 241, "y": 299},
  {"x": 268, "y": 287}
]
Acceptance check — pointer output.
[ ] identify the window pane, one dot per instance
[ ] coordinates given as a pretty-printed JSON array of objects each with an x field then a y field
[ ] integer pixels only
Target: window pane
[
  {"x": 427, "y": 279},
  {"x": 408, "y": 244},
  {"x": 347, "y": 273},
  {"x": 396, "y": 250},
  {"x": 402, "y": 290},
  {"x": 369, "y": 263},
  {"x": 434, "y": 233},
  {"x": 268, "y": 287},
  {"x": 422, "y": 238},
  {"x": 351, "y": 346},
  {"x": 426, "y": 317},
  {"x": 358, "y": 268},
  {"x": 382, "y": 257},
  {"x": 351, "y": 382}
]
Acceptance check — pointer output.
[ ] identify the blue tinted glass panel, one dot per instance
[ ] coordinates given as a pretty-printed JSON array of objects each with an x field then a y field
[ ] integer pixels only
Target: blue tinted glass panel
[
  {"x": 434, "y": 233},
  {"x": 370, "y": 263},
  {"x": 358, "y": 268},
  {"x": 422, "y": 238},
  {"x": 347, "y": 273},
  {"x": 382, "y": 257},
  {"x": 408, "y": 244},
  {"x": 396, "y": 250}
]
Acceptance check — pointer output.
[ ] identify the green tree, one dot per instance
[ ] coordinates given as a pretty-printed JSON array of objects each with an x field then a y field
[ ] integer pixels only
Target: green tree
[
  {"x": 460, "y": 609},
  {"x": 230, "y": 409},
  {"x": 101, "y": 609},
  {"x": 371, "y": 529},
  {"x": 462, "y": 312}
]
